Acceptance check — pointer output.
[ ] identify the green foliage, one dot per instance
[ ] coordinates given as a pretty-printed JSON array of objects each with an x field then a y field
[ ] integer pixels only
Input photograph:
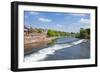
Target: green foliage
[
  {"x": 84, "y": 33},
  {"x": 77, "y": 35},
  {"x": 52, "y": 33}
]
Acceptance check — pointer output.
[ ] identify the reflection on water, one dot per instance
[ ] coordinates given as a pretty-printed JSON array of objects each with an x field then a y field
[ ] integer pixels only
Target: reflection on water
[{"x": 59, "y": 51}]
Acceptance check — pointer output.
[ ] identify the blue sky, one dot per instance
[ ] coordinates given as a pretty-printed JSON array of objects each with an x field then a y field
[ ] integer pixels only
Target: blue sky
[{"x": 67, "y": 22}]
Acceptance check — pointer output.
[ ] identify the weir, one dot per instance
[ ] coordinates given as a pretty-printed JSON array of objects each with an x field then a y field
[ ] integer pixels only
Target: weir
[{"x": 43, "y": 53}]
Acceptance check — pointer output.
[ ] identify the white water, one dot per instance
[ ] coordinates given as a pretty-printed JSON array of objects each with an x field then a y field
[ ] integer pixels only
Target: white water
[{"x": 42, "y": 54}]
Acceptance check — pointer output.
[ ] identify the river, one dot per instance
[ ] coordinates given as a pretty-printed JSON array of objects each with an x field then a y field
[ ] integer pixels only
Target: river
[{"x": 61, "y": 49}]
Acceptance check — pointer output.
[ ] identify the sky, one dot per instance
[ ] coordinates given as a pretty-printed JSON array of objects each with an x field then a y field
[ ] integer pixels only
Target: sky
[{"x": 60, "y": 21}]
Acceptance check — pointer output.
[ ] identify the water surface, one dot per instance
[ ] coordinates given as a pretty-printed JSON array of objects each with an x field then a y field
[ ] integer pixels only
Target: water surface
[{"x": 60, "y": 49}]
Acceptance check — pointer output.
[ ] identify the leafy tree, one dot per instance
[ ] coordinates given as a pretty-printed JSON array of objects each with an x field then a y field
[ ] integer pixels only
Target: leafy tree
[
  {"x": 77, "y": 35},
  {"x": 50, "y": 33},
  {"x": 84, "y": 33}
]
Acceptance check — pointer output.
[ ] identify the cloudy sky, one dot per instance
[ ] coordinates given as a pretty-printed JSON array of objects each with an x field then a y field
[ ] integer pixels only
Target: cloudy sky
[{"x": 68, "y": 22}]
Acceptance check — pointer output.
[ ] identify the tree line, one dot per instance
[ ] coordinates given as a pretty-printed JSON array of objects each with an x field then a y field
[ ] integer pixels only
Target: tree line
[
  {"x": 83, "y": 34},
  {"x": 50, "y": 32},
  {"x": 53, "y": 33}
]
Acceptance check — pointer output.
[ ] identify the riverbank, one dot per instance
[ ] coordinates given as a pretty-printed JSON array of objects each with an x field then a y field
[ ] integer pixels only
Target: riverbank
[
  {"x": 31, "y": 42},
  {"x": 37, "y": 39}
]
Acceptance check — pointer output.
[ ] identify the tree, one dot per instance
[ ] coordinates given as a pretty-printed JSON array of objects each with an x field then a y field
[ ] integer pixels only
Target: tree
[
  {"x": 77, "y": 35},
  {"x": 50, "y": 33},
  {"x": 84, "y": 33}
]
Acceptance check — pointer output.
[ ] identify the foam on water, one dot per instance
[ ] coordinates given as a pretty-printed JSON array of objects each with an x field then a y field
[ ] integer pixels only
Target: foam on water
[{"x": 42, "y": 54}]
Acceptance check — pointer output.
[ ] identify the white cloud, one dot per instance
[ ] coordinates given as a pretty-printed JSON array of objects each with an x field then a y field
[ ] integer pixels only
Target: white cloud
[
  {"x": 84, "y": 21},
  {"x": 45, "y": 19},
  {"x": 74, "y": 14},
  {"x": 59, "y": 25},
  {"x": 34, "y": 13}
]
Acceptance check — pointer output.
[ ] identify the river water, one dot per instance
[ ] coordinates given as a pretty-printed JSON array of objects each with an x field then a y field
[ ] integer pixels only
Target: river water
[{"x": 61, "y": 49}]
